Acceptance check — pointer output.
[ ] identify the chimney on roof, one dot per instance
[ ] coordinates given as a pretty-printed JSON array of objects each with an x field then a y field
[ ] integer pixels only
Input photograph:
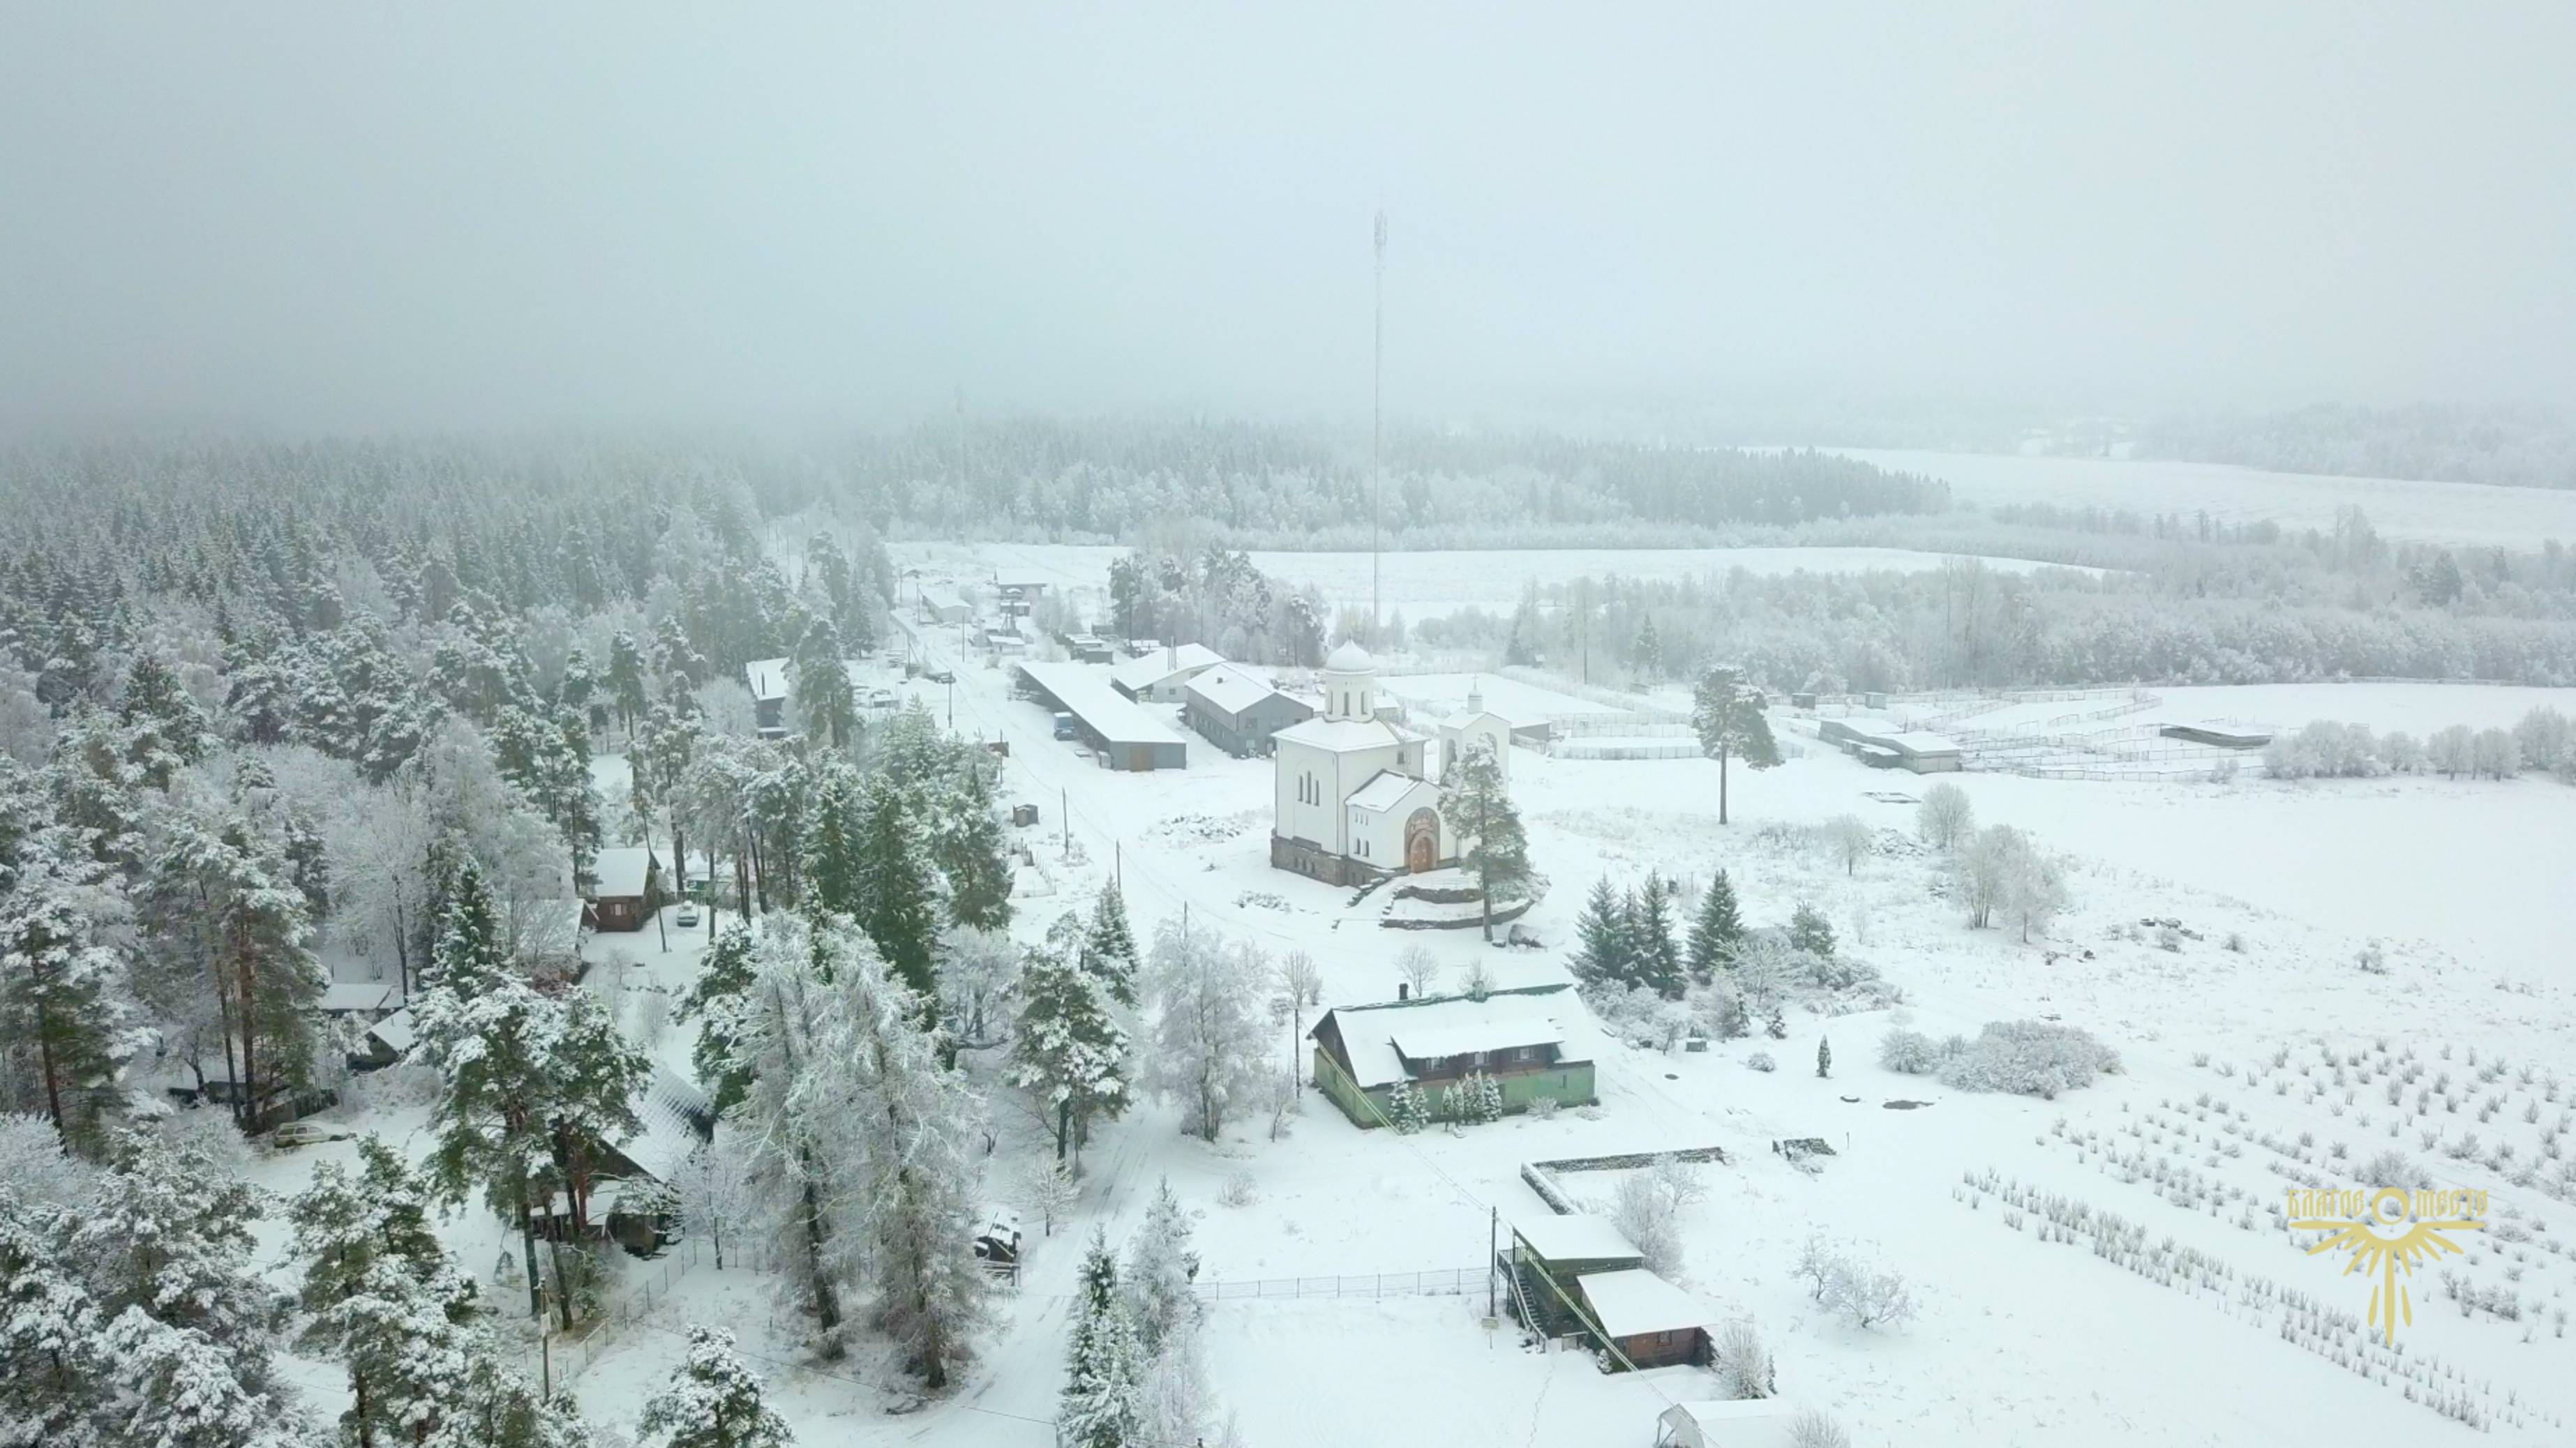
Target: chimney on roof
[{"x": 1403, "y": 990}]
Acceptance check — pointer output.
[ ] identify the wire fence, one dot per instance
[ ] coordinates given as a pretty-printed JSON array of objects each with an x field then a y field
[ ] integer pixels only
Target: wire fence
[
  {"x": 1458, "y": 1282},
  {"x": 562, "y": 1356}
]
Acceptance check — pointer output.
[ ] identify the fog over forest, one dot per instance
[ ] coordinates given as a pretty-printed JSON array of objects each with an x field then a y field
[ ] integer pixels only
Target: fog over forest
[{"x": 313, "y": 217}]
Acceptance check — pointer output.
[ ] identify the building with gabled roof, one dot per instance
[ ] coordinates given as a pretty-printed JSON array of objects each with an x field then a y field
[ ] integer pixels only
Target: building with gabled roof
[
  {"x": 626, "y": 888},
  {"x": 1238, "y": 711},
  {"x": 1651, "y": 1322},
  {"x": 767, "y": 680},
  {"x": 1159, "y": 676},
  {"x": 1531, "y": 1041}
]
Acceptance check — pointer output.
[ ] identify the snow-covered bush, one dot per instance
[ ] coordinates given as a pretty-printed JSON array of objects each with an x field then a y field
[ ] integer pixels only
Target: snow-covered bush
[
  {"x": 2029, "y": 1058},
  {"x": 1812, "y": 1429},
  {"x": 1910, "y": 1052},
  {"x": 1744, "y": 1361},
  {"x": 1544, "y": 1108},
  {"x": 1239, "y": 1190},
  {"x": 1761, "y": 1061}
]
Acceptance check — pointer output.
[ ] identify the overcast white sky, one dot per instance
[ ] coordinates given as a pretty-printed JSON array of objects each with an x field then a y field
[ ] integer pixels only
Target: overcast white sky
[{"x": 342, "y": 216}]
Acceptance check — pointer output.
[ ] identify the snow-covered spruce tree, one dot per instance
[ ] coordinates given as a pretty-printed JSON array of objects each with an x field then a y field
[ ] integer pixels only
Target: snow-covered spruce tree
[
  {"x": 1650, "y": 936},
  {"x": 1810, "y": 932},
  {"x": 1476, "y": 806},
  {"x": 1604, "y": 954},
  {"x": 1405, "y": 1109},
  {"x": 1824, "y": 1056},
  {"x": 964, "y": 832},
  {"x": 825, "y": 703},
  {"x": 717, "y": 1000},
  {"x": 1716, "y": 932},
  {"x": 898, "y": 906},
  {"x": 1104, "y": 1377},
  {"x": 166, "y": 731},
  {"x": 1068, "y": 1050},
  {"x": 56, "y": 1378},
  {"x": 380, "y": 1295},
  {"x": 61, "y": 1005},
  {"x": 713, "y": 1399},
  {"x": 1109, "y": 946},
  {"x": 1207, "y": 1032},
  {"x": 1489, "y": 1098},
  {"x": 1161, "y": 1265},
  {"x": 1727, "y": 715}
]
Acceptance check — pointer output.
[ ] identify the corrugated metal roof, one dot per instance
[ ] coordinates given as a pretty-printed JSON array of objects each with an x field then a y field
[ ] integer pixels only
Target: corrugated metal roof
[{"x": 1144, "y": 672}]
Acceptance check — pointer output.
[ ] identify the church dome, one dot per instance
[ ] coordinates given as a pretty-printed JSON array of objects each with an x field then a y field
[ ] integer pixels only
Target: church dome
[{"x": 1349, "y": 658}]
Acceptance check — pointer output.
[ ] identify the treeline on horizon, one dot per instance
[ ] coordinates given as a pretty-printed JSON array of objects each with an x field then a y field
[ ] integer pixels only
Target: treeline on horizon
[
  {"x": 1114, "y": 479},
  {"x": 2523, "y": 447}
]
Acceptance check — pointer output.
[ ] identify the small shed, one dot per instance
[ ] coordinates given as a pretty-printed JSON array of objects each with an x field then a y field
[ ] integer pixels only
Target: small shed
[
  {"x": 673, "y": 1119},
  {"x": 385, "y": 1042},
  {"x": 1531, "y": 1041},
  {"x": 1651, "y": 1322},
  {"x": 767, "y": 680},
  {"x": 940, "y": 605},
  {"x": 626, "y": 889},
  {"x": 1739, "y": 1423}
]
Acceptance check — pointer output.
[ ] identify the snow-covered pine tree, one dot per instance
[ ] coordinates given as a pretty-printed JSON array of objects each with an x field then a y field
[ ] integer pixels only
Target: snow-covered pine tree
[
  {"x": 1715, "y": 933},
  {"x": 1489, "y": 1098},
  {"x": 380, "y": 1294},
  {"x": 717, "y": 1001},
  {"x": 1161, "y": 1265},
  {"x": 833, "y": 868},
  {"x": 1477, "y": 807},
  {"x": 55, "y": 1375},
  {"x": 60, "y": 999},
  {"x": 713, "y": 1400},
  {"x": 1068, "y": 1050},
  {"x": 625, "y": 681},
  {"x": 1727, "y": 715},
  {"x": 1109, "y": 947},
  {"x": 1207, "y": 1033},
  {"x": 1650, "y": 935},
  {"x": 1604, "y": 954},
  {"x": 1102, "y": 1405},
  {"x": 966, "y": 843}
]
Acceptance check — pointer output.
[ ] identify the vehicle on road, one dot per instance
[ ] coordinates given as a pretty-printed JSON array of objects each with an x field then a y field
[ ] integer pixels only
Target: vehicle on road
[
  {"x": 881, "y": 698},
  {"x": 1064, "y": 726},
  {"x": 943, "y": 676},
  {"x": 300, "y": 1133},
  {"x": 688, "y": 914}
]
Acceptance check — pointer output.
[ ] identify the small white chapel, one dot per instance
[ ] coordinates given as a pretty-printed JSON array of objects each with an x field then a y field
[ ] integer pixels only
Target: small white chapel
[{"x": 1355, "y": 793}]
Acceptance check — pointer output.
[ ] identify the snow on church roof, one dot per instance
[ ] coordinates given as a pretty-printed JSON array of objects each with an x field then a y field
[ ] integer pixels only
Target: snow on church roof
[
  {"x": 1341, "y": 736},
  {"x": 1384, "y": 791},
  {"x": 1348, "y": 657}
]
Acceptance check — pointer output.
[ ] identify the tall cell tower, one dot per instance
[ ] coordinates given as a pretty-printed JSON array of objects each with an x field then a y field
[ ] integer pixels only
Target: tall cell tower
[{"x": 1377, "y": 476}]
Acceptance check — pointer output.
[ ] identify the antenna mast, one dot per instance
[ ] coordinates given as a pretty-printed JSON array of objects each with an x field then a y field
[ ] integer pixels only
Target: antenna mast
[{"x": 1377, "y": 476}]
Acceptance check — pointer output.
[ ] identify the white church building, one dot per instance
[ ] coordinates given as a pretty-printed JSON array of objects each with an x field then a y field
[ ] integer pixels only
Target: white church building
[{"x": 1355, "y": 792}]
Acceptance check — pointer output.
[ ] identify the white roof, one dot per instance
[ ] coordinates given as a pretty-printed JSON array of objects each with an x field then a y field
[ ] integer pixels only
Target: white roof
[
  {"x": 1345, "y": 736},
  {"x": 361, "y": 995},
  {"x": 1916, "y": 742},
  {"x": 1740, "y": 1423},
  {"x": 1153, "y": 667},
  {"x": 1384, "y": 791},
  {"x": 1576, "y": 1238},
  {"x": 1459, "y": 1023},
  {"x": 1465, "y": 1037},
  {"x": 395, "y": 1031},
  {"x": 1348, "y": 657},
  {"x": 1230, "y": 688},
  {"x": 1636, "y": 1300},
  {"x": 666, "y": 1115},
  {"x": 1080, "y": 689},
  {"x": 767, "y": 677},
  {"x": 622, "y": 871}
]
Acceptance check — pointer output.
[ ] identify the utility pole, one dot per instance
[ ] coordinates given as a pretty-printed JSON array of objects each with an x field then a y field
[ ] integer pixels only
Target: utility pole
[
  {"x": 1493, "y": 1225},
  {"x": 1377, "y": 475},
  {"x": 1064, "y": 818}
]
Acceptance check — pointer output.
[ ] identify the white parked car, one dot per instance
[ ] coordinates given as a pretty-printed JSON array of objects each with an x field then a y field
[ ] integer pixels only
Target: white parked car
[
  {"x": 300, "y": 1133},
  {"x": 688, "y": 913}
]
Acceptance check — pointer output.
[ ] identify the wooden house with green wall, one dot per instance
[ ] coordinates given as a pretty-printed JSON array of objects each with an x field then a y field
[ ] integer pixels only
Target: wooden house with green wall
[{"x": 1532, "y": 1041}]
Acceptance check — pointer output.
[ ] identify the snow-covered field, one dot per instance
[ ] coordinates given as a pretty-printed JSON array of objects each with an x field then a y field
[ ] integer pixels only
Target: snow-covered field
[
  {"x": 2429, "y": 512},
  {"x": 1434, "y": 583},
  {"x": 2019, "y": 1340}
]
